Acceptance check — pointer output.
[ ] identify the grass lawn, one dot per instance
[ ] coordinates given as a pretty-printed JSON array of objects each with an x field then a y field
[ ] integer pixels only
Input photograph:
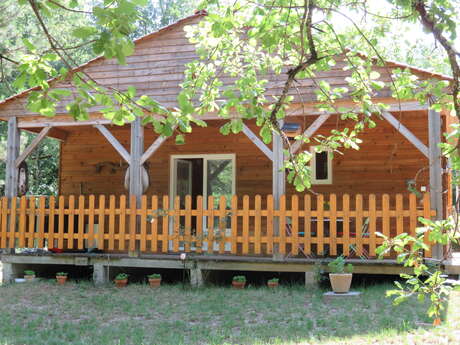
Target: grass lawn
[{"x": 43, "y": 313}]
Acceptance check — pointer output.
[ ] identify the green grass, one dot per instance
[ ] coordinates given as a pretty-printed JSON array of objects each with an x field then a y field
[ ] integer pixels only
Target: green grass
[{"x": 44, "y": 313}]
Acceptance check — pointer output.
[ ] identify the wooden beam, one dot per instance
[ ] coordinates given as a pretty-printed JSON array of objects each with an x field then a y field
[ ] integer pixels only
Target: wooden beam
[
  {"x": 28, "y": 150},
  {"x": 12, "y": 153},
  {"x": 306, "y": 109},
  {"x": 114, "y": 142},
  {"x": 406, "y": 132},
  {"x": 154, "y": 147},
  {"x": 319, "y": 121},
  {"x": 55, "y": 133},
  {"x": 435, "y": 158},
  {"x": 259, "y": 143},
  {"x": 34, "y": 124}
]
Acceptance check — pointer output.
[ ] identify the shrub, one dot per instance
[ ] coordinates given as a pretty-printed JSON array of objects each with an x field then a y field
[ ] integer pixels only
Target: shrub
[
  {"x": 273, "y": 280},
  {"x": 61, "y": 274},
  {"x": 29, "y": 273},
  {"x": 154, "y": 276},
  {"x": 239, "y": 279}
]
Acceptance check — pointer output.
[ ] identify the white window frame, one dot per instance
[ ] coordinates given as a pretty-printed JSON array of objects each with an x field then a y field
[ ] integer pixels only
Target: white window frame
[
  {"x": 313, "y": 167},
  {"x": 205, "y": 157}
]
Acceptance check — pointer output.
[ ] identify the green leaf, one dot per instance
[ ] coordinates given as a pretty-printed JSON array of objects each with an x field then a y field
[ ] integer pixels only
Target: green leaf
[
  {"x": 236, "y": 126},
  {"x": 180, "y": 139},
  {"x": 131, "y": 92},
  {"x": 374, "y": 75},
  {"x": 225, "y": 129},
  {"x": 29, "y": 45},
  {"x": 266, "y": 134},
  {"x": 84, "y": 32}
]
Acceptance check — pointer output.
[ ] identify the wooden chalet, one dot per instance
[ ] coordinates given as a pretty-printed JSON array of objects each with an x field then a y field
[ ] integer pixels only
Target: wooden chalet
[{"x": 221, "y": 199}]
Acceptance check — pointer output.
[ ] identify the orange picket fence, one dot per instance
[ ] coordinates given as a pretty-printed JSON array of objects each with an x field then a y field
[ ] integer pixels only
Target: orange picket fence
[{"x": 302, "y": 226}]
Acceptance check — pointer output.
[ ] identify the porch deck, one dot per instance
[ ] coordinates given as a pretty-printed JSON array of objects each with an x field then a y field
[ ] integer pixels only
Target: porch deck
[{"x": 306, "y": 228}]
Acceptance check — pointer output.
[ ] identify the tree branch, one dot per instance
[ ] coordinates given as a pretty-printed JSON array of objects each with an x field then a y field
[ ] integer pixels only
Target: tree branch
[{"x": 429, "y": 24}]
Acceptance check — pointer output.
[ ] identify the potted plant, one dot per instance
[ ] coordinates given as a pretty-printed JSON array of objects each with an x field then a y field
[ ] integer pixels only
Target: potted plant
[
  {"x": 238, "y": 282},
  {"x": 121, "y": 280},
  {"x": 61, "y": 277},
  {"x": 273, "y": 283},
  {"x": 340, "y": 275},
  {"x": 154, "y": 280},
  {"x": 29, "y": 275}
]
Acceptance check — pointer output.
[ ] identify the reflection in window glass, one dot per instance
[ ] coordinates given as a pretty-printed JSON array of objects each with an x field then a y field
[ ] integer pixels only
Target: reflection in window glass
[{"x": 220, "y": 179}]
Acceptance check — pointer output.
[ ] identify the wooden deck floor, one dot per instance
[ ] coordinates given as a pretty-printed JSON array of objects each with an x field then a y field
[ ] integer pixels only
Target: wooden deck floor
[{"x": 203, "y": 262}]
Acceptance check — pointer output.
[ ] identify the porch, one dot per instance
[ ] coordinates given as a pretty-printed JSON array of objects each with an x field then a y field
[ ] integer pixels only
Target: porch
[{"x": 302, "y": 227}]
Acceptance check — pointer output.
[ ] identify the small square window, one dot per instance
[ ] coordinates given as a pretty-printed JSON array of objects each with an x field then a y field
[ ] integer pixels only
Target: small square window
[{"x": 321, "y": 167}]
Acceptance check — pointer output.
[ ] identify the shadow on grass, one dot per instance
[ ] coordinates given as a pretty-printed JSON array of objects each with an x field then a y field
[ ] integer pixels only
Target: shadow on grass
[{"x": 43, "y": 313}]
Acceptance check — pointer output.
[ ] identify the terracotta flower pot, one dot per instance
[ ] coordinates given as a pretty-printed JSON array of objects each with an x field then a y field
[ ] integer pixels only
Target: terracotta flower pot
[
  {"x": 61, "y": 280},
  {"x": 238, "y": 285},
  {"x": 30, "y": 278},
  {"x": 121, "y": 283},
  {"x": 340, "y": 282},
  {"x": 154, "y": 282},
  {"x": 272, "y": 285}
]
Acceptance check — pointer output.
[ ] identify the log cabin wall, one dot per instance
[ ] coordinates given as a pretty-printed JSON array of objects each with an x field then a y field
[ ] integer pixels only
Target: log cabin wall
[{"x": 384, "y": 163}]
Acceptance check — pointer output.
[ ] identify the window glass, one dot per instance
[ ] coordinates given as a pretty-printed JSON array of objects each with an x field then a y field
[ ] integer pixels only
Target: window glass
[{"x": 321, "y": 165}]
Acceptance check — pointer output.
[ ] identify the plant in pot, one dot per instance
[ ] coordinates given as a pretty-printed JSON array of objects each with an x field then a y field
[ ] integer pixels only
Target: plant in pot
[
  {"x": 238, "y": 282},
  {"x": 273, "y": 283},
  {"x": 340, "y": 275},
  {"x": 121, "y": 280},
  {"x": 154, "y": 280},
  {"x": 29, "y": 275},
  {"x": 61, "y": 277}
]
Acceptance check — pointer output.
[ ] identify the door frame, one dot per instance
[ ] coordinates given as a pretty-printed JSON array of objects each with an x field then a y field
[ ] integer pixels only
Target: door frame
[{"x": 205, "y": 157}]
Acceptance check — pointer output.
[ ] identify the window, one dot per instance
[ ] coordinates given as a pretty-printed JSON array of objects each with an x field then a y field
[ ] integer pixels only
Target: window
[{"x": 321, "y": 167}]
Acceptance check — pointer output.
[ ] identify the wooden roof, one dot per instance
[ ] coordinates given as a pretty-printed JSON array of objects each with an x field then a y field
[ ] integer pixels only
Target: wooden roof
[{"x": 156, "y": 69}]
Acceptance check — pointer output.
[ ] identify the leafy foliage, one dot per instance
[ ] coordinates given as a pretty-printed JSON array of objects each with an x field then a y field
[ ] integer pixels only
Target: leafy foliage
[
  {"x": 427, "y": 279},
  {"x": 121, "y": 276},
  {"x": 154, "y": 276},
  {"x": 338, "y": 265}
]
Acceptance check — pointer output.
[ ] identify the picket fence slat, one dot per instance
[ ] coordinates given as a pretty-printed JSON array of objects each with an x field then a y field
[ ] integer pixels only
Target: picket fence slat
[
  {"x": 308, "y": 227},
  {"x": 4, "y": 221}
]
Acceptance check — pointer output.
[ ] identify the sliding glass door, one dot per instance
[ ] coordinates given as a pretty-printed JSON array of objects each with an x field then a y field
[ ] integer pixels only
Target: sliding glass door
[{"x": 206, "y": 175}]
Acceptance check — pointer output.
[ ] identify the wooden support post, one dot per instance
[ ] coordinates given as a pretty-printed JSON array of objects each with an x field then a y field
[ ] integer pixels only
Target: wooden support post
[
  {"x": 12, "y": 153},
  {"x": 435, "y": 160},
  {"x": 135, "y": 169},
  {"x": 137, "y": 149},
  {"x": 278, "y": 186},
  {"x": 12, "y": 172}
]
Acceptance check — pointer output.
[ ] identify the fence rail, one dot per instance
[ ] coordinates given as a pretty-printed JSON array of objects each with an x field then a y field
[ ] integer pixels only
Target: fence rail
[{"x": 304, "y": 226}]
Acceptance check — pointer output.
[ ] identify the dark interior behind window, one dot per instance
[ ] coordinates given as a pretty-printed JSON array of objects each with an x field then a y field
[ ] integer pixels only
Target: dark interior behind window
[{"x": 321, "y": 165}]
